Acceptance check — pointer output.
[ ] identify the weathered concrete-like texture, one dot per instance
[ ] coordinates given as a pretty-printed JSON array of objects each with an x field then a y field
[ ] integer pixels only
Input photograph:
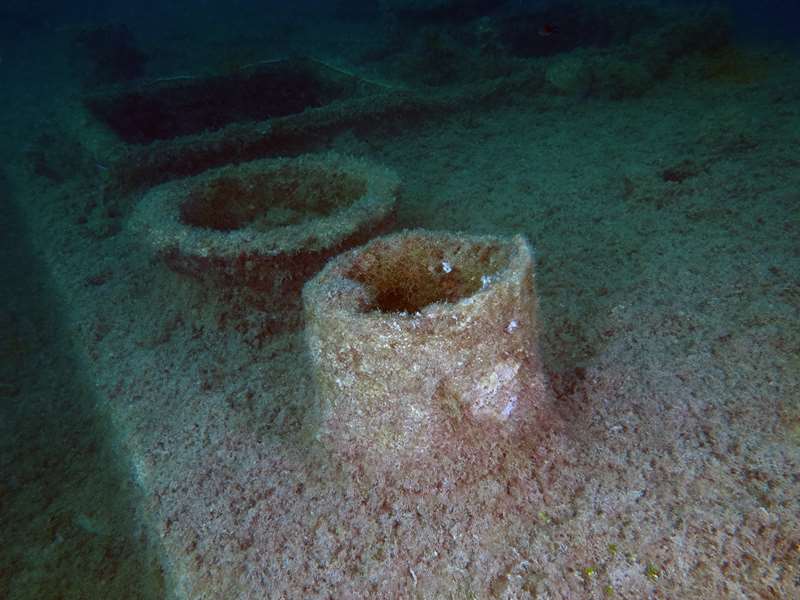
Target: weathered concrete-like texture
[
  {"x": 421, "y": 341},
  {"x": 268, "y": 225}
]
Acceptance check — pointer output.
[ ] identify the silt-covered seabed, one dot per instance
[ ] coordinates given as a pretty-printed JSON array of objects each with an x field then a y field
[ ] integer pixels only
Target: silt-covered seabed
[{"x": 665, "y": 225}]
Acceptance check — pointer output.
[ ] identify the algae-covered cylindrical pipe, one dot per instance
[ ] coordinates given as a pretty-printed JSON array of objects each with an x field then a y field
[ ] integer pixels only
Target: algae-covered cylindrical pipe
[{"x": 421, "y": 339}]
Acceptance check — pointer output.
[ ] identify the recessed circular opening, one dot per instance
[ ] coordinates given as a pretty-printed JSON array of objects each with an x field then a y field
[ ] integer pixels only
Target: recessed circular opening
[
  {"x": 263, "y": 201},
  {"x": 418, "y": 272}
]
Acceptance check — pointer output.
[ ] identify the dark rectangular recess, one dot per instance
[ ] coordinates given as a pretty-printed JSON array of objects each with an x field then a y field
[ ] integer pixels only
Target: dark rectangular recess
[{"x": 178, "y": 107}]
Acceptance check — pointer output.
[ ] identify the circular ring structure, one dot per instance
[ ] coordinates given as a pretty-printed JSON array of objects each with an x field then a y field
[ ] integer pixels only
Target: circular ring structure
[{"x": 267, "y": 224}]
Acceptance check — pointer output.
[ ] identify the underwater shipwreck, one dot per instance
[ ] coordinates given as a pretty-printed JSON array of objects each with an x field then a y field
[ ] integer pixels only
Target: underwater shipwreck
[{"x": 481, "y": 314}]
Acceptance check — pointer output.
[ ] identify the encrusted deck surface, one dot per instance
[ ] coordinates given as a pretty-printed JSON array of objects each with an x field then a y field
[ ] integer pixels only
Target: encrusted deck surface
[{"x": 668, "y": 280}]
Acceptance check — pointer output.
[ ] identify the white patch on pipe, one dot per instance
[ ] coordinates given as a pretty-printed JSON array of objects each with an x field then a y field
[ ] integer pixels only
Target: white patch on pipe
[{"x": 510, "y": 406}]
